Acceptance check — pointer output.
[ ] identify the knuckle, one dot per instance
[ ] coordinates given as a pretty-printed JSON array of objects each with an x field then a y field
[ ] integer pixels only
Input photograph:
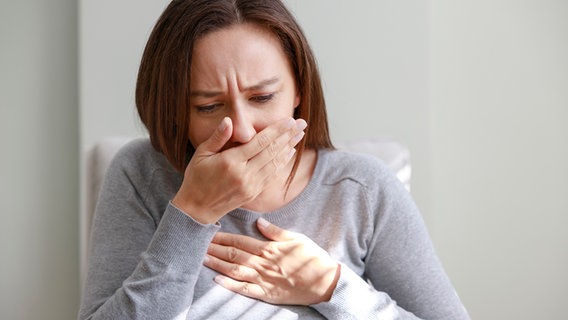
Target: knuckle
[
  {"x": 272, "y": 149},
  {"x": 274, "y": 269},
  {"x": 245, "y": 289},
  {"x": 247, "y": 192},
  {"x": 269, "y": 250},
  {"x": 232, "y": 254},
  {"x": 272, "y": 295},
  {"x": 256, "y": 277},
  {"x": 236, "y": 271},
  {"x": 242, "y": 183},
  {"x": 275, "y": 164},
  {"x": 263, "y": 141},
  {"x": 238, "y": 180},
  {"x": 229, "y": 167}
]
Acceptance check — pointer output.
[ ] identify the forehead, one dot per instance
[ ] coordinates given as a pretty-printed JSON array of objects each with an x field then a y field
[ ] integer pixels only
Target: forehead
[{"x": 243, "y": 50}]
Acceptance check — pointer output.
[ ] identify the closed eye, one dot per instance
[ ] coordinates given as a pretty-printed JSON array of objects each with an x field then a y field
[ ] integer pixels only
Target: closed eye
[
  {"x": 262, "y": 98},
  {"x": 208, "y": 108}
]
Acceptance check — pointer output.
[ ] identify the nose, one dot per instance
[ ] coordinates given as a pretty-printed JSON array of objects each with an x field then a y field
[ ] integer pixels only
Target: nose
[{"x": 243, "y": 126}]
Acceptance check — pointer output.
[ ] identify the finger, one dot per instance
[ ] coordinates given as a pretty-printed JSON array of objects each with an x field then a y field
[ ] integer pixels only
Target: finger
[
  {"x": 266, "y": 165},
  {"x": 244, "y": 243},
  {"x": 218, "y": 139},
  {"x": 264, "y": 140},
  {"x": 279, "y": 153},
  {"x": 230, "y": 254},
  {"x": 273, "y": 232},
  {"x": 248, "y": 289},
  {"x": 233, "y": 270},
  {"x": 261, "y": 264}
]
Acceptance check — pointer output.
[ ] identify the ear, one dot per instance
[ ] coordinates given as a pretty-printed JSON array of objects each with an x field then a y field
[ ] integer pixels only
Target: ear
[{"x": 297, "y": 101}]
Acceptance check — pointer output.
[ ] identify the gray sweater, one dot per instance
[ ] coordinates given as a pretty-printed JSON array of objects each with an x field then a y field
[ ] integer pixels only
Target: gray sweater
[{"x": 146, "y": 255}]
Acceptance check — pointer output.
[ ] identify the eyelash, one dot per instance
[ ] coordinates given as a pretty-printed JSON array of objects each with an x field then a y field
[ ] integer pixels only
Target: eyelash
[
  {"x": 262, "y": 98},
  {"x": 257, "y": 99},
  {"x": 208, "y": 108}
]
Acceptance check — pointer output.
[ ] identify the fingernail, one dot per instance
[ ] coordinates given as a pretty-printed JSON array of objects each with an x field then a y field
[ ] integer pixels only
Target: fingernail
[
  {"x": 290, "y": 123},
  {"x": 219, "y": 279},
  {"x": 223, "y": 125},
  {"x": 206, "y": 260},
  {"x": 301, "y": 124},
  {"x": 298, "y": 137},
  {"x": 291, "y": 154},
  {"x": 263, "y": 222}
]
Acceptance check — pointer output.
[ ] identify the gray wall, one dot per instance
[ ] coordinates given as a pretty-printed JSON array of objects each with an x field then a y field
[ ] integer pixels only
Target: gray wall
[
  {"x": 39, "y": 162},
  {"x": 499, "y": 112},
  {"x": 477, "y": 89}
]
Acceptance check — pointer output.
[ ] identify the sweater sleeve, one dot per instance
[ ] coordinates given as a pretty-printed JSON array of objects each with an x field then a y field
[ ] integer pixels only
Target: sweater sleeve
[
  {"x": 403, "y": 277},
  {"x": 354, "y": 299},
  {"x": 140, "y": 266}
]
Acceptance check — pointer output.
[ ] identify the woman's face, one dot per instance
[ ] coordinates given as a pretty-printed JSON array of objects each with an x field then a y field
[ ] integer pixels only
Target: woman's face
[{"x": 239, "y": 72}]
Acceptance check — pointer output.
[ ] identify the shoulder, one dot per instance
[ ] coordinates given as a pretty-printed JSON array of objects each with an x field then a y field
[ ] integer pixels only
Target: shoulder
[
  {"x": 139, "y": 162},
  {"x": 351, "y": 171},
  {"x": 139, "y": 154},
  {"x": 138, "y": 171},
  {"x": 362, "y": 168}
]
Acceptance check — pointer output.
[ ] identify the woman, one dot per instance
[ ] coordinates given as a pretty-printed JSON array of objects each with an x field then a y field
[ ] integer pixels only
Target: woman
[{"x": 238, "y": 207}]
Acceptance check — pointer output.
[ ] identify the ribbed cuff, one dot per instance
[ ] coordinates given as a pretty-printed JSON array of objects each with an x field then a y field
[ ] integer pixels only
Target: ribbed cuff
[
  {"x": 180, "y": 241},
  {"x": 354, "y": 298}
]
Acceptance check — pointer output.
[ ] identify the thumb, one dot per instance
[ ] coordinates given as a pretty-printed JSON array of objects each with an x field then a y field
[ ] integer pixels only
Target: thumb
[
  {"x": 219, "y": 137},
  {"x": 273, "y": 232}
]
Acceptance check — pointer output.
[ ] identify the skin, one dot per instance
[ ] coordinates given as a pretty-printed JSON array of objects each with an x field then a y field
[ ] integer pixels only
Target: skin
[
  {"x": 242, "y": 99},
  {"x": 290, "y": 269}
]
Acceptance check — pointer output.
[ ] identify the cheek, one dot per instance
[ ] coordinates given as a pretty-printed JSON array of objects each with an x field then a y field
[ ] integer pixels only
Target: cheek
[
  {"x": 199, "y": 131},
  {"x": 272, "y": 115},
  {"x": 286, "y": 107}
]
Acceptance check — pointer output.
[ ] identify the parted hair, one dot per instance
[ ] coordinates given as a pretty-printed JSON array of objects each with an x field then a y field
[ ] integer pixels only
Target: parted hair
[{"x": 163, "y": 84}]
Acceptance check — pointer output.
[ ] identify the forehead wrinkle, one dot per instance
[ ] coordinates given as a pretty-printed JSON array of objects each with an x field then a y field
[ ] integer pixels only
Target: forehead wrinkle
[
  {"x": 235, "y": 68},
  {"x": 204, "y": 93},
  {"x": 208, "y": 82},
  {"x": 262, "y": 84}
]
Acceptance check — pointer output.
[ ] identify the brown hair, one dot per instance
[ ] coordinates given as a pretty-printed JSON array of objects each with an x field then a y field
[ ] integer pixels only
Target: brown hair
[{"x": 162, "y": 88}]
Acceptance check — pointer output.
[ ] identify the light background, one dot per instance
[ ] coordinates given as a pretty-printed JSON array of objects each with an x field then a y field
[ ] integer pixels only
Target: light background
[{"x": 478, "y": 90}]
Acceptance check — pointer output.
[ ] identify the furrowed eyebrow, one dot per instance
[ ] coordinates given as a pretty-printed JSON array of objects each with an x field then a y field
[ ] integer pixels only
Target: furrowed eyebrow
[
  {"x": 204, "y": 94},
  {"x": 262, "y": 84},
  {"x": 211, "y": 94}
]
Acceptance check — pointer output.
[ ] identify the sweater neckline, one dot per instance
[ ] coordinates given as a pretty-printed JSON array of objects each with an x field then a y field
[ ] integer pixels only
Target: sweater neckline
[{"x": 291, "y": 208}]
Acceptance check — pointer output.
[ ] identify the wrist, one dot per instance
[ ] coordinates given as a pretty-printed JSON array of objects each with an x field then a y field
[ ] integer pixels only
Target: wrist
[
  {"x": 332, "y": 278},
  {"x": 187, "y": 207}
]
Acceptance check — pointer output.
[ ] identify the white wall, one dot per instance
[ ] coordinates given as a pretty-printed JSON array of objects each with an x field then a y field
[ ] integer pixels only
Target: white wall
[
  {"x": 499, "y": 112},
  {"x": 111, "y": 41},
  {"x": 38, "y": 160}
]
